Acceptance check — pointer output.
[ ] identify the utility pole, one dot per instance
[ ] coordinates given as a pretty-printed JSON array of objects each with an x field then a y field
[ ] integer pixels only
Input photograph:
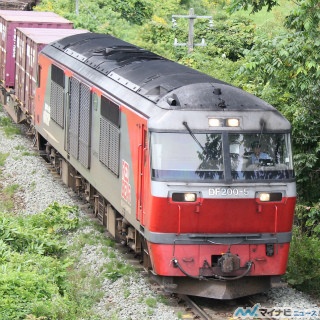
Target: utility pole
[
  {"x": 191, "y": 18},
  {"x": 77, "y": 7}
]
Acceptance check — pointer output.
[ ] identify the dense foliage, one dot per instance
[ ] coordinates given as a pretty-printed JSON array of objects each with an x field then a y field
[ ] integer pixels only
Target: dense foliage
[
  {"x": 285, "y": 70},
  {"x": 33, "y": 276},
  {"x": 303, "y": 267}
]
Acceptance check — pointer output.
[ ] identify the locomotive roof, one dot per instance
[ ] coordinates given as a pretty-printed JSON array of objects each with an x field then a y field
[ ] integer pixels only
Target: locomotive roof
[{"x": 169, "y": 84}]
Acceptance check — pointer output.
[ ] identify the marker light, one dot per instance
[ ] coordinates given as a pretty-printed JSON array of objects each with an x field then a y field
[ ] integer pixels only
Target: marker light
[
  {"x": 184, "y": 197},
  {"x": 232, "y": 122},
  {"x": 214, "y": 122}
]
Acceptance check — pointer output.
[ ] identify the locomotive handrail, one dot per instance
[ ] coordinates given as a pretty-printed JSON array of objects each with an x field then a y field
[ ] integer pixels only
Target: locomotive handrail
[
  {"x": 217, "y": 235},
  {"x": 182, "y": 238},
  {"x": 237, "y": 238}
]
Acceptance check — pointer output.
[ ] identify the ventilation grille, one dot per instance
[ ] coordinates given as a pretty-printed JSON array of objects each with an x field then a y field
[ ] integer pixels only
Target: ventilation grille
[
  {"x": 109, "y": 145},
  {"x": 74, "y": 118},
  {"x": 85, "y": 121},
  {"x": 57, "y": 103},
  {"x": 79, "y": 137}
]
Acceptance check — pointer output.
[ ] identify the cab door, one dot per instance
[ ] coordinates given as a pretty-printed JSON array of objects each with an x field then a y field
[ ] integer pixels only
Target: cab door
[{"x": 141, "y": 173}]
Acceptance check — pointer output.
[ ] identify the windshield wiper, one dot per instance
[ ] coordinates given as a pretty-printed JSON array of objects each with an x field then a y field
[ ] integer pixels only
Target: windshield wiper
[{"x": 192, "y": 135}]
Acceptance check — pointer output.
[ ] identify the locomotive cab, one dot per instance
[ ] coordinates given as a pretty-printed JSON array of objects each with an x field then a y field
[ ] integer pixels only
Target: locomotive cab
[{"x": 224, "y": 195}]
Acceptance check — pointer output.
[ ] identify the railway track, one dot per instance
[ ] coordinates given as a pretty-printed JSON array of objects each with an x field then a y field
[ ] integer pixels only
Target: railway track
[
  {"x": 211, "y": 309},
  {"x": 195, "y": 310}
]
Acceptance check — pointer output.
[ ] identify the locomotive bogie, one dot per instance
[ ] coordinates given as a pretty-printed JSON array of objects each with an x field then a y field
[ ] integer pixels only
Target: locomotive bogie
[{"x": 118, "y": 227}]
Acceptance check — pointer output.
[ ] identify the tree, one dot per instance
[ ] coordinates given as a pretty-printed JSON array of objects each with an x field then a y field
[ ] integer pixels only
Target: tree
[
  {"x": 286, "y": 72},
  {"x": 135, "y": 11},
  {"x": 256, "y": 5}
]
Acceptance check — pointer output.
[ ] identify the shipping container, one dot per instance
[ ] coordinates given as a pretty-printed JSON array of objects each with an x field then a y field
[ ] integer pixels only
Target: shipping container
[
  {"x": 29, "y": 42},
  {"x": 9, "y": 21},
  {"x": 17, "y": 4}
]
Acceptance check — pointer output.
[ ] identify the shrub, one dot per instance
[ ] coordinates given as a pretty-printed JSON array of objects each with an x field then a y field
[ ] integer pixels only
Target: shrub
[
  {"x": 303, "y": 270},
  {"x": 34, "y": 276}
]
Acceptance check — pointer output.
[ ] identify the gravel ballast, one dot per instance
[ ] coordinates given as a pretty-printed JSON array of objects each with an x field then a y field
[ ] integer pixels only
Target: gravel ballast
[{"x": 126, "y": 297}]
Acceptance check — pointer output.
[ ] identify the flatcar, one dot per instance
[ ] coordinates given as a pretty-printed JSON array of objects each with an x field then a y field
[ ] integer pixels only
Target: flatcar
[{"x": 193, "y": 174}]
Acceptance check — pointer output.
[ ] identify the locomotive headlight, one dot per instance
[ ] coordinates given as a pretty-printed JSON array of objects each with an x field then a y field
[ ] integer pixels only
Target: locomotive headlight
[
  {"x": 264, "y": 197},
  {"x": 184, "y": 197},
  {"x": 214, "y": 122},
  {"x": 232, "y": 122},
  {"x": 269, "y": 196},
  {"x": 190, "y": 197}
]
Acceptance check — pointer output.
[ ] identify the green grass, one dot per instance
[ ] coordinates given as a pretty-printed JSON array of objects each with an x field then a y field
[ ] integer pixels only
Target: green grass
[
  {"x": 10, "y": 190},
  {"x": 270, "y": 23},
  {"x": 20, "y": 148},
  {"x": 8, "y": 127},
  {"x": 6, "y": 205},
  {"x": 3, "y": 158},
  {"x": 7, "y": 197},
  {"x": 151, "y": 302},
  {"x": 116, "y": 269}
]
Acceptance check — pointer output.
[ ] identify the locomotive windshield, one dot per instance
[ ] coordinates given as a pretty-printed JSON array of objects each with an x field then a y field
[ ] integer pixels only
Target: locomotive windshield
[
  {"x": 266, "y": 156},
  {"x": 214, "y": 156}
]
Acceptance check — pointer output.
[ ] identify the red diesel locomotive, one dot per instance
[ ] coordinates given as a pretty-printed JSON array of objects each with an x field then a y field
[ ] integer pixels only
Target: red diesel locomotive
[{"x": 193, "y": 174}]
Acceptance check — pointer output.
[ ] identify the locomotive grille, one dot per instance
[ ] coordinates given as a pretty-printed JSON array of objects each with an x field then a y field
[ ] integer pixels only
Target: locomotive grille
[
  {"x": 56, "y": 102},
  {"x": 84, "y": 131},
  {"x": 74, "y": 118},
  {"x": 109, "y": 145},
  {"x": 78, "y": 142}
]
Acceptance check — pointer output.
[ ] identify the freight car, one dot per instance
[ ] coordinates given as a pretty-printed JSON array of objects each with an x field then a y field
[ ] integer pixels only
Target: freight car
[
  {"x": 193, "y": 174},
  {"x": 9, "y": 21},
  {"x": 23, "y": 35}
]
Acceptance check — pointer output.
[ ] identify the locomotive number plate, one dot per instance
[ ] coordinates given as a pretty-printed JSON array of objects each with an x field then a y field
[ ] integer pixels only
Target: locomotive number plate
[{"x": 226, "y": 192}]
